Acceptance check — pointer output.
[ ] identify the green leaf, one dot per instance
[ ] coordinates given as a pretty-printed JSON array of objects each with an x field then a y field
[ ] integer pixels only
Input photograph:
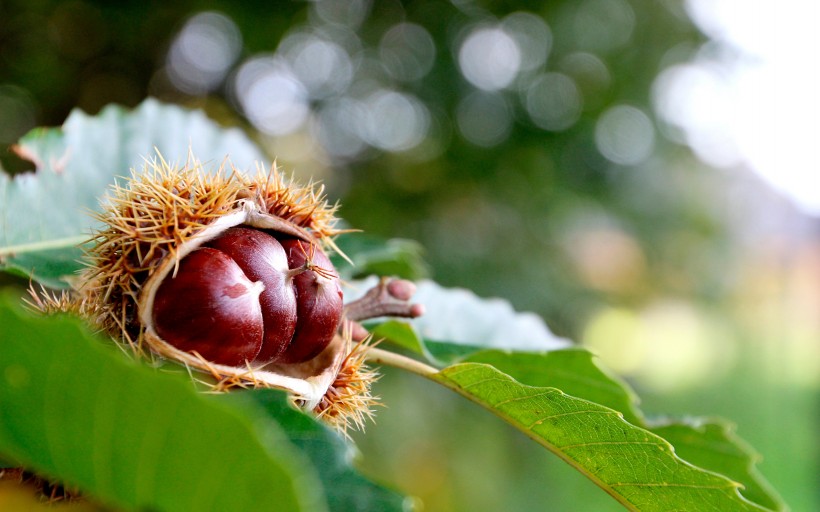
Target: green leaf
[
  {"x": 78, "y": 410},
  {"x": 457, "y": 323},
  {"x": 708, "y": 444},
  {"x": 44, "y": 215},
  {"x": 635, "y": 466},
  {"x": 50, "y": 267},
  {"x": 714, "y": 445},
  {"x": 332, "y": 456},
  {"x": 573, "y": 371},
  {"x": 372, "y": 255}
]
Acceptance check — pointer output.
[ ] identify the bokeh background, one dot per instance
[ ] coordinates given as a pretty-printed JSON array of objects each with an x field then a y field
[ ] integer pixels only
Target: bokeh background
[{"x": 641, "y": 173}]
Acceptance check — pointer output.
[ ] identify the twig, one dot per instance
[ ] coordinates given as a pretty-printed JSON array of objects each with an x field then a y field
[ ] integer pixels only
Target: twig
[{"x": 386, "y": 357}]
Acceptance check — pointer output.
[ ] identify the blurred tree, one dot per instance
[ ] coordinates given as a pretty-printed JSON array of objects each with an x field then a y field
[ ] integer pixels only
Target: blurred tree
[{"x": 517, "y": 143}]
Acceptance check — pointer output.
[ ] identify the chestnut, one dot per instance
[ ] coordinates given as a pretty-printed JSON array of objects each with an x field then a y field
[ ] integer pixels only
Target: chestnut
[
  {"x": 289, "y": 289},
  {"x": 262, "y": 258},
  {"x": 319, "y": 300},
  {"x": 211, "y": 307}
]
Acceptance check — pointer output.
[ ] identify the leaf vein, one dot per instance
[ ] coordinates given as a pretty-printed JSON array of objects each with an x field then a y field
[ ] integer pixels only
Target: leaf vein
[
  {"x": 561, "y": 414},
  {"x": 604, "y": 443},
  {"x": 542, "y": 392},
  {"x": 670, "y": 484},
  {"x": 483, "y": 381}
]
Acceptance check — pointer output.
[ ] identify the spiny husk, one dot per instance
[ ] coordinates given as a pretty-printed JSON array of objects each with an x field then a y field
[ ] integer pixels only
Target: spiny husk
[
  {"x": 45, "y": 490},
  {"x": 50, "y": 302},
  {"x": 162, "y": 209},
  {"x": 164, "y": 212},
  {"x": 348, "y": 401}
]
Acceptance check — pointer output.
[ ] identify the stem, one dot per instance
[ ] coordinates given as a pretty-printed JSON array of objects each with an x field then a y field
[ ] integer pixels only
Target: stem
[
  {"x": 380, "y": 356},
  {"x": 391, "y": 297}
]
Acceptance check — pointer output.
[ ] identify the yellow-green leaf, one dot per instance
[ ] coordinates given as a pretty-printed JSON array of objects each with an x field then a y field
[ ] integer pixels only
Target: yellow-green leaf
[{"x": 633, "y": 465}]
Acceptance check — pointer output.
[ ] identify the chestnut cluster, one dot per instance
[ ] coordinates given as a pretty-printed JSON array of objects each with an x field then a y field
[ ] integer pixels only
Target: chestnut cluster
[{"x": 250, "y": 296}]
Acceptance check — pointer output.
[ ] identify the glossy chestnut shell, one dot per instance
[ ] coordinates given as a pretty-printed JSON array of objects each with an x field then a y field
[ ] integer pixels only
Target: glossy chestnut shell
[{"x": 250, "y": 296}]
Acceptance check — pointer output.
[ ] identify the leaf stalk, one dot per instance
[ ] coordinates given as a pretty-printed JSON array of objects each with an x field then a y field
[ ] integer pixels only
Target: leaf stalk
[{"x": 389, "y": 358}]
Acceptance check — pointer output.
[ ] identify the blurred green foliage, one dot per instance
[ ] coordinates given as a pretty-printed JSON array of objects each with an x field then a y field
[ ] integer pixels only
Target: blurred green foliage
[{"x": 508, "y": 213}]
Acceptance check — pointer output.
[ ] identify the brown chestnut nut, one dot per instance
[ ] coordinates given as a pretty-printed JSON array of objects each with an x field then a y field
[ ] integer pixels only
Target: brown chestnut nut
[
  {"x": 291, "y": 285},
  {"x": 211, "y": 307},
  {"x": 318, "y": 300},
  {"x": 262, "y": 258}
]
